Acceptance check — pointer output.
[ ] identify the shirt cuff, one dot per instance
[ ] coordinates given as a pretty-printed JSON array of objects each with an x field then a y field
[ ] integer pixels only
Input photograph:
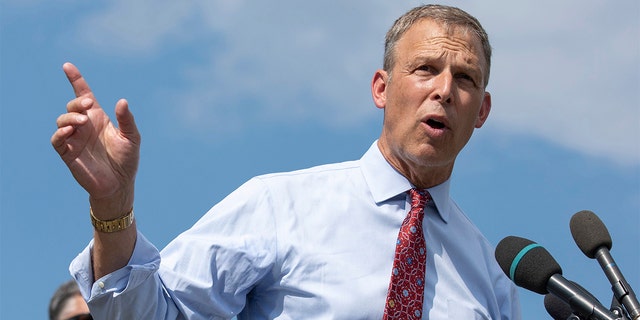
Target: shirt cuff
[{"x": 144, "y": 262}]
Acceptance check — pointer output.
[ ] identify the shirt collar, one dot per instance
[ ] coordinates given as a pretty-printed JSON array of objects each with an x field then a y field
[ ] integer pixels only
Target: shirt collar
[{"x": 385, "y": 182}]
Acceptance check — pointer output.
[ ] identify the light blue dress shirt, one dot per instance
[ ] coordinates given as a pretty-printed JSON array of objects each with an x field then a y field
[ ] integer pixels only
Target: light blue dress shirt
[{"x": 310, "y": 244}]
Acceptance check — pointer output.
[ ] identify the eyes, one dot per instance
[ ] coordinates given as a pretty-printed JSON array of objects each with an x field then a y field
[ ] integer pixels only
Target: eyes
[{"x": 462, "y": 77}]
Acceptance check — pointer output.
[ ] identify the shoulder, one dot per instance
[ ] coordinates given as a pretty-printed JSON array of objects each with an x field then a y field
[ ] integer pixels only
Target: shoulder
[{"x": 333, "y": 170}]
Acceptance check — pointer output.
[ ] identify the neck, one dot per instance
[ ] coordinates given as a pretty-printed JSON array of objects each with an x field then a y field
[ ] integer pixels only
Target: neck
[{"x": 421, "y": 175}]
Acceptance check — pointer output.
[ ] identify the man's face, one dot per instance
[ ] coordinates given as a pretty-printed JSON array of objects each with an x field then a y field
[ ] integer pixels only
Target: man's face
[{"x": 433, "y": 98}]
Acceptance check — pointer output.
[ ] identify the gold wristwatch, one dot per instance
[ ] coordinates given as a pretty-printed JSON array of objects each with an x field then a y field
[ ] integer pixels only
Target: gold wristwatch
[{"x": 114, "y": 225}]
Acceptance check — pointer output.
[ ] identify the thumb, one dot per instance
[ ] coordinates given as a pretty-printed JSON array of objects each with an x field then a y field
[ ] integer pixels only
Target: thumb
[{"x": 126, "y": 123}]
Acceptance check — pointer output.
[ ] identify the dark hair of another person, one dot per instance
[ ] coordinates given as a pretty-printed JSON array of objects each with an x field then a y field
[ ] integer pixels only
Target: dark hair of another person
[{"x": 67, "y": 290}]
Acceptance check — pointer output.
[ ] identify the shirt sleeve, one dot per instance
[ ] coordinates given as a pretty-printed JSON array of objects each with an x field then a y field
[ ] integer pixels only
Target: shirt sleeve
[
  {"x": 210, "y": 269},
  {"x": 132, "y": 292},
  {"x": 206, "y": 272}
]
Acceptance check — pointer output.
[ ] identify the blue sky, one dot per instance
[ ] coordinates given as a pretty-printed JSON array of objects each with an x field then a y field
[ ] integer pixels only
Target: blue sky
[{"x": 225, "y": 90}]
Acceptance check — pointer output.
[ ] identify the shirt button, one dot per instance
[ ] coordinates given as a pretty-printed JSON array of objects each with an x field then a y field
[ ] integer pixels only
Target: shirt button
[{"x": 101, "y": 285}]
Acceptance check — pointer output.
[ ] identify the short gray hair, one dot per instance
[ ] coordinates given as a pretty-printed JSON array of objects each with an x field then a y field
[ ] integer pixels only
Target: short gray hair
[{"x": 449, "y": 17}]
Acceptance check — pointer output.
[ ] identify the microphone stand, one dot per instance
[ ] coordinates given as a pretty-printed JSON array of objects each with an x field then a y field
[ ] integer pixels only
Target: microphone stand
[
  {"x": 622, "y": 292},
  {"x": 618, "y": 310}
]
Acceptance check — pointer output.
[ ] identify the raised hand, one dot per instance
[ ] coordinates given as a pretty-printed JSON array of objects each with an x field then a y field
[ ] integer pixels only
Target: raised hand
[{"x": 103, "y": 158}]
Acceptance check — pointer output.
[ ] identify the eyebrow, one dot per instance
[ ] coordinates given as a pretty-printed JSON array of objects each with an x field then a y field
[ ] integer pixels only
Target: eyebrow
[{"x": 474, "y": 70}]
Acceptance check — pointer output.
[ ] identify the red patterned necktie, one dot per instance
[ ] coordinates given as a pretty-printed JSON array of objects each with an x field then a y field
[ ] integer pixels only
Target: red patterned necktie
[{"x": 406, "y": 288}]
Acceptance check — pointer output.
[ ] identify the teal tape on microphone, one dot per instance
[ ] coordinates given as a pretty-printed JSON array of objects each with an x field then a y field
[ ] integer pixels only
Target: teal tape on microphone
[{"x": 516, "y": 260}]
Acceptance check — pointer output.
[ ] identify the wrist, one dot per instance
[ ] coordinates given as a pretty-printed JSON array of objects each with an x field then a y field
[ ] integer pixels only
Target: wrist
[{"x": 112, "y": 207}]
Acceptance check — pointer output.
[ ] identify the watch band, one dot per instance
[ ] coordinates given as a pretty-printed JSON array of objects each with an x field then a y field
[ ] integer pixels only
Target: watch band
[{"x": 114, "y": 225}]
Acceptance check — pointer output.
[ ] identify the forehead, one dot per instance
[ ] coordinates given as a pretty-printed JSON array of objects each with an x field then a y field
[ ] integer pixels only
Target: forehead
[{"x": 431, "y": 37}]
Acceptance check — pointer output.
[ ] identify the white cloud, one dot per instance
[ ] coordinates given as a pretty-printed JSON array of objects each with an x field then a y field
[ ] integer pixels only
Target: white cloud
[
  {"x": 133, "y": 27},
  {"x": 567, "y": 72},
  {"x": 571, "y": 76}
]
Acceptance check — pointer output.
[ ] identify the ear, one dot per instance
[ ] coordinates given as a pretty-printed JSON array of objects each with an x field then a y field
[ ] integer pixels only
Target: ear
[
  {"x": 485, "y": 108},
  {"x": 379, "y": 87}
]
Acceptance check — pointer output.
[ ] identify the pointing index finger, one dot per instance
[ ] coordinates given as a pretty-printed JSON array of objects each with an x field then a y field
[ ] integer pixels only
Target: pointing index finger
[{"x": 80, "y": 86}]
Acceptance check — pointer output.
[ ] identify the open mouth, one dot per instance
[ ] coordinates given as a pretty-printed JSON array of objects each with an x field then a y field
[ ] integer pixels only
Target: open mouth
[{"x": 435, "y": 124}]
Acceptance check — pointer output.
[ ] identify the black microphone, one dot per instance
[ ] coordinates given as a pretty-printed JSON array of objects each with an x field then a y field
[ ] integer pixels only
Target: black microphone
[
  {"x": 530, "y": 266},
  {"x": 558, "y": 309},
  {"x": 592, "y": 237}
]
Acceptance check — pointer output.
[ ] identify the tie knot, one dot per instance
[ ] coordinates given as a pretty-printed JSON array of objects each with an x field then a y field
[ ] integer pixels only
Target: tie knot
[{"x": 419, "y": 197}]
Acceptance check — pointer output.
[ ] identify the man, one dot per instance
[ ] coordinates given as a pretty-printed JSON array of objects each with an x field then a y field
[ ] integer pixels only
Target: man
[
  {"x": 67, "y": 303},
  {"x": 366, "y": 239}
]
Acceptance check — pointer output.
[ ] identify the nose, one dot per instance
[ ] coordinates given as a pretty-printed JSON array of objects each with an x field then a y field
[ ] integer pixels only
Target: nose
[{"x": 442, "y": 87}]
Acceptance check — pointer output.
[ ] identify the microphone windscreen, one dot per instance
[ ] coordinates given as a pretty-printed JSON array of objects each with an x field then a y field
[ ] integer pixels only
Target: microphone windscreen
[
  {"x": 526, "y": 263},
  {"x": 557, "y": 309},
  {"x": 589, "y": 233}
]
